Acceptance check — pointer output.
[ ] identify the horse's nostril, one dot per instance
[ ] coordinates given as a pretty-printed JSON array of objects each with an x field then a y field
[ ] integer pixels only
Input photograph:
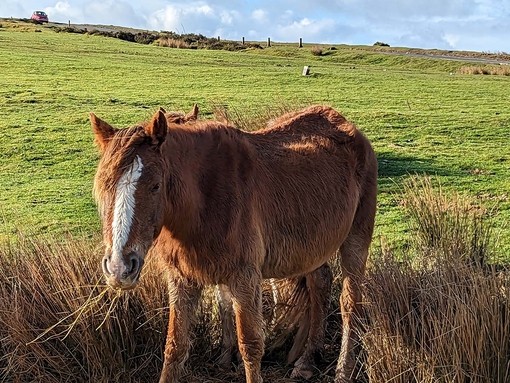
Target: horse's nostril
[
  {"x": 133, "y": 265},
  {"x": 104, "y": 264}
]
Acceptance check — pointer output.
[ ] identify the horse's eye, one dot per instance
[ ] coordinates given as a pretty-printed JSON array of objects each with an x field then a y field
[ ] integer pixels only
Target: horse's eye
[{"x": 155, "y": 188}]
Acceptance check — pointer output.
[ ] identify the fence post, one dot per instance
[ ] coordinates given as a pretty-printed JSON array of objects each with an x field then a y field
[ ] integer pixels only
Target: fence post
[
  {"x": 301, "y": 42},
  {"x": 218, "y": 38},
  {"x": 243, "y": 40},
  {"x": 269, "y": 41}
]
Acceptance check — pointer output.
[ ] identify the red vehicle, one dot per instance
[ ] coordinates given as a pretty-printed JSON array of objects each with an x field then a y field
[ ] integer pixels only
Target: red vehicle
[{"x": 40, "y": 16}]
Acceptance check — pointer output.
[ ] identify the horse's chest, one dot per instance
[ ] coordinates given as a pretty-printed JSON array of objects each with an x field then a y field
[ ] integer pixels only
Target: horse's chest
[{"x": 200, "y": 266}]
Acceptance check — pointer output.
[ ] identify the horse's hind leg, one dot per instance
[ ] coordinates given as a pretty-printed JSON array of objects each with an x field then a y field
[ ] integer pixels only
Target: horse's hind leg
[
  {"x": 318, "y": 284},
  {"x": 183, "y": 301},
  {"x": 353, "y": 253}
]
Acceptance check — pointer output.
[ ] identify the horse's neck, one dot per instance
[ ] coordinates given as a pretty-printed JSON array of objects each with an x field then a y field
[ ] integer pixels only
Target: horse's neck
[{"x": 206, "y": 165}]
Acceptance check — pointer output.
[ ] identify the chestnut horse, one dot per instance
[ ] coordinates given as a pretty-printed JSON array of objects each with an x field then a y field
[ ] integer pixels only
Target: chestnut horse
[{"x": 226, "y": 207}]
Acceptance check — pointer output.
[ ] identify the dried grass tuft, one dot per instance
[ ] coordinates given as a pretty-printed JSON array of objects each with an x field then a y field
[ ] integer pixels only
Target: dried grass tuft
[
  {"x": 439, "y": 313},
  {"x": 448, "y": 226},
  {"x": 172, "y": 43},
  {"x": 317, "y": 51},
  {"x": 449, "y": 323},
  {"x": 497, "y": 70},
  {"x": 57, "y": 326},
  {"x": 250, "y": 120}
]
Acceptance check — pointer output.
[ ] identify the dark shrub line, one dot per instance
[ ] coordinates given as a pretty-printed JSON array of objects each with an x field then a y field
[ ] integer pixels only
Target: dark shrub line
[{"x": 165, "y": 38}]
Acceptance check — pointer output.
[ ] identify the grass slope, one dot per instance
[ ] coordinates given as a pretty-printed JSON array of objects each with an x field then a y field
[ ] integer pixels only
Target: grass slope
[{"x": 421, "y": 116}]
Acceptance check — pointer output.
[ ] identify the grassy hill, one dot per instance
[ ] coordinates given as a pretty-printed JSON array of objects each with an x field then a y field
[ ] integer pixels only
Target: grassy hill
[{"x": 421, "y": 114}]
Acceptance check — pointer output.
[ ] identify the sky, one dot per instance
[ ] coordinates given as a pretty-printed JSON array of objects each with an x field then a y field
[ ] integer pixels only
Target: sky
[{"x": 478, "y": 25}]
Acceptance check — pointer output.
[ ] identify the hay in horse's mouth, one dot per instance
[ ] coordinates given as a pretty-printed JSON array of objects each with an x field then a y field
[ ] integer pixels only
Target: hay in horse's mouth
[{"x": 119, "y": 286}]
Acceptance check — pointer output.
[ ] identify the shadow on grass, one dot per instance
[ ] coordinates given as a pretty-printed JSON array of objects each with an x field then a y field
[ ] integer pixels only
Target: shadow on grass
[{"x": 392, "y": 165}]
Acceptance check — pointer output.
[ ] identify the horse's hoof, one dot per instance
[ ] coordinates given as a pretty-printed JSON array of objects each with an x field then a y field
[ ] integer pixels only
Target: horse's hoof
[
  {"x": 225, "y": 360},
  {"x": 301, "y": 374},
  {"x": 302, "y": 371},
  {"x": 228, "y": 359},
  {"x": 342, "y": 378}
]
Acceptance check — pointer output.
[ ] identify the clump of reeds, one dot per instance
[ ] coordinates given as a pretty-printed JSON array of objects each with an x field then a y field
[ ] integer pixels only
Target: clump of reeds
[
  {"x": 450, "y": 226},
  {"x": 445, "y": 320},
  {"x": 170, "y": 42},
  {"x": 249, "y": 120},
  {"x": 498, "y": 70},
  {"x": 445, "y": 324},
  {"x": 317, "y": 51},
  {"x": 57, "y": 323}
]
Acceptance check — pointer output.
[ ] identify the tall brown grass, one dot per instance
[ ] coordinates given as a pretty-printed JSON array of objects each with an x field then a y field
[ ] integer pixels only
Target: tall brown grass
[
  {"x": 449, "y": 323},
  {"x": 53, "y": 285},
  {"x": 499, "y": 70},
  {"x": 440, "y": 314},
  {"x": 445, "y": 225},
  {"x": 444, "y": 320},
  {"x": 317, "y": 51},
  {"x": 172, "y": 43},
  {"x": 250, "y": 120}
]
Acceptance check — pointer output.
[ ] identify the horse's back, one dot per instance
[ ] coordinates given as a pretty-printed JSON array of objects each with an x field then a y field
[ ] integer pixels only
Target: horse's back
[{"x": 311, "y": 175}]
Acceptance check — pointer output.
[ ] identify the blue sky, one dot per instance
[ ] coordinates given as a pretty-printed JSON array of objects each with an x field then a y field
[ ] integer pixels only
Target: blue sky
[{"x": 480, "y": 25}]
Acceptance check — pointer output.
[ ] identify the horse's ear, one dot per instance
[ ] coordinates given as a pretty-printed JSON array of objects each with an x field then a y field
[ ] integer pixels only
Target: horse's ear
[
  {"x": 157, "y": 128},
  {"x": 103, "y": 131},
  {"x": 193, "y": 115},
  {"x": 163, "y": 110}
]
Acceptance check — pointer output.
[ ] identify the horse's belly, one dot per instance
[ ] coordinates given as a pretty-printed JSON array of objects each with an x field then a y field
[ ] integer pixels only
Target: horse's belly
[{"x": 289, "y": 261}]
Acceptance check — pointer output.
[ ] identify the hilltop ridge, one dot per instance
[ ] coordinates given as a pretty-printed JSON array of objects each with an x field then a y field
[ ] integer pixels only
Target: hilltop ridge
[{"x": 194, "y": 41}]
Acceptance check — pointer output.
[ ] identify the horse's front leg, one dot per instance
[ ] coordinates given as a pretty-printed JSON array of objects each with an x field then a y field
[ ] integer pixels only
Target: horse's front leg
[
  {"x": 228, "y": 335},
  {"x": 247, "y": 302},
  {"x": 184, "y": 296}
]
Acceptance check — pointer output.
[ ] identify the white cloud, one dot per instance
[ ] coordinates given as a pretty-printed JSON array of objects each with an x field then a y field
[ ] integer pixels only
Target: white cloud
[
  {"x": 259, "y": 15},
  {"x": 110, "y": 12},
  {"x": 113, "y": 12},
  {"x": 229, "y": 17},
  {"x": 198, "y": 17},
  {"x": 310, "y": 30},
  {"x": 451, "y": 39},
  {"x": 201, "y": 9},
  {"x": 63, "y": 11},
  {"x": 187, "y": 17}
]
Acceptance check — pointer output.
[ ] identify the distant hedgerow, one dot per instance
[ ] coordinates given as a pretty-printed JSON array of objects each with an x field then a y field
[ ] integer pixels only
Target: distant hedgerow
[{"x": 165, "y": 39}]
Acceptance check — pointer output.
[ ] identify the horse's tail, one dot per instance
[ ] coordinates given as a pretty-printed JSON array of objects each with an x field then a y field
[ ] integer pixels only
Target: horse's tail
[{"x": 291, "y": 314}]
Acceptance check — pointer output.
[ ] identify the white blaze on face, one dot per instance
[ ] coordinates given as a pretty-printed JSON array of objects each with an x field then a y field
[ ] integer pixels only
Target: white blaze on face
[{"x": 124, "y": 209}]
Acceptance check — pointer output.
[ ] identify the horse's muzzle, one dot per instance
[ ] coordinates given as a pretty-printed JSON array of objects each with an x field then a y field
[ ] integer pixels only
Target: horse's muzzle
[{"x": 122, "y": 272}]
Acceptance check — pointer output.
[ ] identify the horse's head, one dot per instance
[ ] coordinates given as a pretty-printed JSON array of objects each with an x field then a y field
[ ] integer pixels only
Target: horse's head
[{"x": 129, "y": 189}]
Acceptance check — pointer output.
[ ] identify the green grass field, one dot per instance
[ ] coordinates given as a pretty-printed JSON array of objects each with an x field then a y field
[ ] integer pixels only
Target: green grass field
[{"x": 421, "y": 115}]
